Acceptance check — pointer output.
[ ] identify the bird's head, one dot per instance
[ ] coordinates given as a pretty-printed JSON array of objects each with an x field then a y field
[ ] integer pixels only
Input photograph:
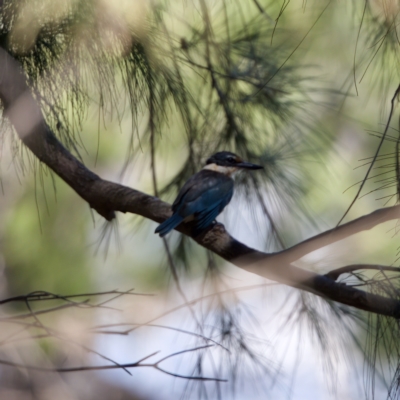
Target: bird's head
[{"x": 227, "y": 163}]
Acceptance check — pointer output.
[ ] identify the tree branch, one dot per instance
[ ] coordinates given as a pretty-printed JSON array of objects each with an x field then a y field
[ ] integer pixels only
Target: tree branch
[
  {"x": 106, "y": 197},
  {"x": 334, "y": 274},
  {"x": 364, "y": 223}
]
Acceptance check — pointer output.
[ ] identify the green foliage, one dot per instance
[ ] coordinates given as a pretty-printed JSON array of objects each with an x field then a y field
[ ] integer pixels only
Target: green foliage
[
  {"x": 179, "y": 81},
  {"x": 40, "y": 249}
]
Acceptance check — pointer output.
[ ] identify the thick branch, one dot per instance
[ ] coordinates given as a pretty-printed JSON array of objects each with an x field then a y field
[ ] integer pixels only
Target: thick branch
[{"x": 107, "y": 197}]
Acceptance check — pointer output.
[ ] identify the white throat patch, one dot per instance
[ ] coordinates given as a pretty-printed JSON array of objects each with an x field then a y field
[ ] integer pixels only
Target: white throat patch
[{"x": 229, "y": 171}]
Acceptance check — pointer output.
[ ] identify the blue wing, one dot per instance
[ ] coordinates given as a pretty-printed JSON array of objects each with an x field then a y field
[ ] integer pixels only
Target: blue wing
[
  {"x": 168, "y": 225},
  {"x": 202, "y": 197},
  {"x": 207, "y": 216}
]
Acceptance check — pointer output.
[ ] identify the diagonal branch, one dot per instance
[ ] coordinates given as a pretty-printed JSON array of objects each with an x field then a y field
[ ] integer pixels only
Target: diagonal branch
[
  {"x": 106, "y": 197},
  {"x": 364, "y": 223}
]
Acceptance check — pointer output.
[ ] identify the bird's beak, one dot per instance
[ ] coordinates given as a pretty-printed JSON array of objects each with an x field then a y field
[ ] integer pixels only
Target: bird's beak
[{"x": 248, "y": 165}]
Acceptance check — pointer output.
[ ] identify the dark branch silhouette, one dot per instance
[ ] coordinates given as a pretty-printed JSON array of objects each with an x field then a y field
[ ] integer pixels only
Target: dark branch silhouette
[
  {"x": 358, "y": 267},
  {"x": 136, "y": 364},
  {"x": 49, "y": 332}
]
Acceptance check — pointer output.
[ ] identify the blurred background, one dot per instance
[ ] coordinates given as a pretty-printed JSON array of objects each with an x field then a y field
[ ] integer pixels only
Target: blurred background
[{"x": 143, "y": 92}]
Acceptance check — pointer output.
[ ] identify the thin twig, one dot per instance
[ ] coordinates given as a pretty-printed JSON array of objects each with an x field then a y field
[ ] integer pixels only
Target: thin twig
[
  {"x": 53, "y": 333},
  {"x": 334, "y": 274},
  {"x": 293, "y": 51},
  {"x": 42, "y": 295},
  {"x": 136, "y": 364}
]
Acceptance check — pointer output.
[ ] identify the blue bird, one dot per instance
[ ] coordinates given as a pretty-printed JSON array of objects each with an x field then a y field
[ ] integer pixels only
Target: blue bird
[{"x": 206, "y": 193}]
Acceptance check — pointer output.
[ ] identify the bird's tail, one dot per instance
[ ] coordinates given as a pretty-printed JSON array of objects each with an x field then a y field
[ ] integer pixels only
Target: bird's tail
[{"x": 168, "y": 225}]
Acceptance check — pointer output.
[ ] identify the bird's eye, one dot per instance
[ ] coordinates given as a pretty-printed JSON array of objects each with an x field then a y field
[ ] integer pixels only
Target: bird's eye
[{"x": 231, "y": 159}]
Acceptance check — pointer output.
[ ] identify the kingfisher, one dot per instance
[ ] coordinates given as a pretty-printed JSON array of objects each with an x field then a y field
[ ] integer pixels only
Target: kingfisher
[{"x": 206, "y": 193}]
